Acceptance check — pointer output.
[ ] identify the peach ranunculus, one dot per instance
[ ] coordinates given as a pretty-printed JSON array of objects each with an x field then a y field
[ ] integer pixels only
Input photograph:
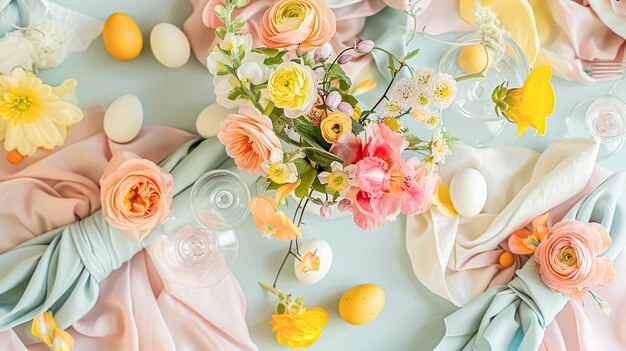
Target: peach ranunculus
[
  {"x": 135, "y": 194},
  {"x": 569, "y": 261},
  {"x": 249, "y": 138},
  {"x": 270, "y": 222},
  {"x": 524, "y": 242},
  {"x": 288, "y": 24}
]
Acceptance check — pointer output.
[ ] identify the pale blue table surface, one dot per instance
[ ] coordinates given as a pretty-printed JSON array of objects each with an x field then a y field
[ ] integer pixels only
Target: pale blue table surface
[{"x": 412, "y": 318}]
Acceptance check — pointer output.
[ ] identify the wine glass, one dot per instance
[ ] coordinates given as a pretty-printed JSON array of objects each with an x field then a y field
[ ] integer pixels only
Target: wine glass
[
  {"x": 197, "y": 248},
  {"x": 478, "y": 123},
  {"x": 601, "y": 118}
]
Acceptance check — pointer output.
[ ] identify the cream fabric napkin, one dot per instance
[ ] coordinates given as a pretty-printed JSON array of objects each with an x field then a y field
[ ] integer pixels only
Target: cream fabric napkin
[{"x": 456, "y": 257}]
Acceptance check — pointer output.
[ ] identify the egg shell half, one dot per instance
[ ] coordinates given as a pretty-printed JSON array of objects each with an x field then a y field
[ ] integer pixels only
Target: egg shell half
[
  {"x": 169, "y": 45},
  {"x": 324, "y": 252},
  {"x": 123, "y": 119},
  {"x": 468, "y": 192},
  {"x": 122, "y": 37},
  {"x": 361, "y": 304}
]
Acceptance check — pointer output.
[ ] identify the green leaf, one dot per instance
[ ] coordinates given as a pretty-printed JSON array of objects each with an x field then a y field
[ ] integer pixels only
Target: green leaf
[
  {"x": 266, "y": 51},
  {"x": 311, "y": 133},
  {"x": 411, "y": 54},
  {"x": 220, "y": 32},
  {"x": 276, "y": 59},
  {"x": 235, "y": 94},
  {"x": 349, "y": 99},
  {"x": 357, "y": 127},
  {"x": 319, "y": 187},
  {"x": 307, "y": 175},
  {"x": 321, "y": 157},
  {"x": 412, "y": 139},
  {"x": 450, "y": 139}
]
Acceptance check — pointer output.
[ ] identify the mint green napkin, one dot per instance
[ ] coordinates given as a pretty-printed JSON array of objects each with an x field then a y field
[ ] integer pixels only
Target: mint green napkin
[
  {"x": 60, "y": 270},
  {"x": 514, "y": 317}
]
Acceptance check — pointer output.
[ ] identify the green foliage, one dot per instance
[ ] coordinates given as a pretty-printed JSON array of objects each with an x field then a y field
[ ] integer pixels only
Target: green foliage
[
  {"x": 321, "y": 157},
  {"x": 307, "y": 175},
  {"x": 412, "y": 139},
  {"x": 310, "y": 133}
]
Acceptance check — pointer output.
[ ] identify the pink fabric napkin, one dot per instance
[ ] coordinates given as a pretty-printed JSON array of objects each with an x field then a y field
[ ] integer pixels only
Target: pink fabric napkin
[{"x": 136, "y": 310}]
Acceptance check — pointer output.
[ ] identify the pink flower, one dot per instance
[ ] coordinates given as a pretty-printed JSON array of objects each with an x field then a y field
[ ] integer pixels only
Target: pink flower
[
  {"x": 249, "y": 138},
  {"x": 288, "y": 24},
  {"x": 568, "y": 259},
  {"x": 348, "y": 148},
  {"x": 428, "y": 180},
  {"x": 135, "y": 195}
]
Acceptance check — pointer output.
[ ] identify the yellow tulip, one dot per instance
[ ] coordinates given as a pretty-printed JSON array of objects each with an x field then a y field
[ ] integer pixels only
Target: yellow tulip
[
  {"x": 299, "y": 330},
  {"x": 43, "y": 328},
  {"x": 529, "y": 105}
]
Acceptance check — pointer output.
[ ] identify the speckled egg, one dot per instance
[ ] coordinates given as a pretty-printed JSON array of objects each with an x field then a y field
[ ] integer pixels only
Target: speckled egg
[{"x": 361, "y": 304}]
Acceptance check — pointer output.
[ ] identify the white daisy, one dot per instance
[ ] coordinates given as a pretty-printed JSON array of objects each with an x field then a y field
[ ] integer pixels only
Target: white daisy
[
  {"x": 423, "y": 75},
  {"x": 443, "y": 90},
  {"x": 339, "y": 178},
  {"x": 406, "y": 91},
  {"x": 277, "y": 170}
]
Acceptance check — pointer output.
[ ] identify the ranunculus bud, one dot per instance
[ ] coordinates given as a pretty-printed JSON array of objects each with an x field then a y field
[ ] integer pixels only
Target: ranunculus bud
[
  {"x": 364, "y": 46},
  {"x": 323, "y": 52},
  {"x": 345, "y": 58},
  {"x": 346, "y": 108},
  {"x": 333, "y": 99},
  {"x": 344, "y": 205},
  {"x": 325, "y": 211}
]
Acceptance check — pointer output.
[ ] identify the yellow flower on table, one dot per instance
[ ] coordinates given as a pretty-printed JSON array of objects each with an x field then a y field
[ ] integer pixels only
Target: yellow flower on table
[
  {"x": 35, "y": 115},
  {"x": 529, "y": 105},
  {"x": 293, "y": 87},
  {"x": 299, "y": 330}
]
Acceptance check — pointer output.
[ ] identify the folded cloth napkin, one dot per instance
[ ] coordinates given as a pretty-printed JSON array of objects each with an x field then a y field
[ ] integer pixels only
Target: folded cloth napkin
[
  {"x": 60, "y": 270},
  {"x": 564, "y": 34},
  {"x": 515, "y": 316},
  {"x": 457, "y": 257}
]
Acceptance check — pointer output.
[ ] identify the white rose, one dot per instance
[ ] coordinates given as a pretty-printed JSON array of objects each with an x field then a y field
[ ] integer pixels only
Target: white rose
[
  {"x": 15, "y": 51},
  {"x": 50, "y": 40}
]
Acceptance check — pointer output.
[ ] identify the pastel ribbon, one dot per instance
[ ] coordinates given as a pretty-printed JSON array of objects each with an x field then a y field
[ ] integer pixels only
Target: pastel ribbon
[
  {"x": 60, "y": 270},
  {"x": 515, "y": 316}
]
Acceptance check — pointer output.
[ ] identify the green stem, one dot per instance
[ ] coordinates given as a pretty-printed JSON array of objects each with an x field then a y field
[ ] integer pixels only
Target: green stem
[
  {"x": 282, "y": 264},
  {"x": 270, "y": 289},
  {"x": 393, "y": 77}
]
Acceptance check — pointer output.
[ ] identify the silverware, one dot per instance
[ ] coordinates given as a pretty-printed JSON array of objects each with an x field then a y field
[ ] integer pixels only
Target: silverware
[{"x": 605, "y": 70}]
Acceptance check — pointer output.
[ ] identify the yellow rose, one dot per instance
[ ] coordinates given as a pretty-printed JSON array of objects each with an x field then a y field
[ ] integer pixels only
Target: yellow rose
[
  {"x": 334, "y": 125},
  {"x": 293, "y": 87}
]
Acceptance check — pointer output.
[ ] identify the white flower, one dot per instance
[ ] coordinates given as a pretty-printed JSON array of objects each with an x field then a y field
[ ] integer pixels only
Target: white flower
[
  {"x": 438, "y": 147},
  {"x": 406, "y": 91},
  {"x": 253, "y": 69},
  {"x": 236, "y": 43},
  {"x": 393, "y": 109},
  {"x": 443, "y": 90},
  {"x": 277, "y": 170},
  {"x": 425, "y": 116},
  {"x": 50, "y": 40},
  {"x": 222, "y": 85},
  {"x": 217, "y": 63},
  {"x": 339, "y": 179},
  {"x": 15, "y": 51},
  {"x": 423, "y": 75}
]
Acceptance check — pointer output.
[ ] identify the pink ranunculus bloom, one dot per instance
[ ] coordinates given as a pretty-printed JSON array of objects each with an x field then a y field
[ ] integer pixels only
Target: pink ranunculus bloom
[
  {"x": 249, "y": 138},
  {"x": 288, "y": 24},
  {"x": 569, "y": 260},
  {"x": 135, "y": 194}
]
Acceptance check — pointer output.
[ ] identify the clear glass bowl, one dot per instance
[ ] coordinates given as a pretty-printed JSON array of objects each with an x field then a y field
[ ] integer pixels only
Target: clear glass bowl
[{"x": 479, "y": 123}]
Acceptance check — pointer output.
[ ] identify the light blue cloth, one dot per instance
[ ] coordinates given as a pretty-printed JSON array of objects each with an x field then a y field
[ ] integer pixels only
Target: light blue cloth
[
  {"x": 514, "y": 317},
  {"x": 60, "y": 270}
]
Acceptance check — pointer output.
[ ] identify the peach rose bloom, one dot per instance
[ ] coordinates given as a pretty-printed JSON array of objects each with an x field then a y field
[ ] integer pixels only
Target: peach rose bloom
[
  {"x": 135, "y": 194},
  {"x": 289, "y": 23},
  {"x": 568, "y": 259},
  {"x": 249, "y": 138}
]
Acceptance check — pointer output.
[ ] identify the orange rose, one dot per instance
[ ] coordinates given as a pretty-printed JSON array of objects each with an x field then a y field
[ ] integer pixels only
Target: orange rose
[
  {"x": 289, "y": 23},
  {"x": 249, "y": 138},
  {"x": 135, "y": 195}
]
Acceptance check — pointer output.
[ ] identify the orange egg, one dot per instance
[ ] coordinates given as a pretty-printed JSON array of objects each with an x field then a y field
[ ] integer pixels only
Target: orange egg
[
  {"x": 14, "y": 157},
  {"x": 122, "y": 37},
  {"x": 506, "y": 259},
  {"x": 361, "y": 304}
]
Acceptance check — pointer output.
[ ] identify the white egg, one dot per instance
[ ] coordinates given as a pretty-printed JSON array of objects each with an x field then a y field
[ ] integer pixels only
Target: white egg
[
  {"x": 208, "y": 122},
  {"x": 169, "y": 45},
  {"x": 468, "y": 192},
  {"x": 324, "y": 252},
  {"x": 123, "y": 119}
]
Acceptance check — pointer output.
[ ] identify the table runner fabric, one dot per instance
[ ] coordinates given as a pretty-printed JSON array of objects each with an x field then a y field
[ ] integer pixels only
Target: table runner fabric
[
  {"x": 456, "y": 257},
  {"x": 131, "y": 308},
  {"x": 514, "y": 317}
]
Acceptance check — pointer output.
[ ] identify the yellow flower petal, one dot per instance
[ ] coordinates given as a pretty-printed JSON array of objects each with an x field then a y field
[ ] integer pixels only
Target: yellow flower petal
[
  {"x": 283, "y": 191},
  {"x": 63, "y": 341},
  {"x": 443, "y": 201},
  {"x": 299, "y": 330},
  {"x": 43, "y": 328}
]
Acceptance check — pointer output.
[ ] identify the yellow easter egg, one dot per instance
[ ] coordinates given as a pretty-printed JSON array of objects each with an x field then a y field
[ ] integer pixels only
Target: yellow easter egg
[
  {"x": 122, "y": 37},
  {"x": 472, "y": 58},
  {"x": 361, "y": 304}
]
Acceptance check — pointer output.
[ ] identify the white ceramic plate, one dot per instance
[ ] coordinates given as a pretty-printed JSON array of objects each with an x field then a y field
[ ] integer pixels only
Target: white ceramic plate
[{"x": 615, "y": 21}]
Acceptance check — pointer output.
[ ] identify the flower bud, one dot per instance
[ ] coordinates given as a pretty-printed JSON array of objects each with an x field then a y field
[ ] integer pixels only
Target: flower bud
[
  {"x": 325, "y": 211},
  {"x": 333, "y": 99},
  {"x": 346, "y": 108},
  {"x": 345, "y": 58},
  {"x": 364, "y": 46},
  {"x": 323, "y": 52},
  {"x": 344, "y": 205}
]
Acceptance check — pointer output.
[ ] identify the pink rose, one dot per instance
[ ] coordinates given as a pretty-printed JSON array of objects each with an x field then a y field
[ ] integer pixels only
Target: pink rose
[
  {"x": 568, "y": 259},
  {"x": 249, "y": 138},
  {"x": 428, "y": 181},
  {"x": 135, "y": 194},
  {"x": 288, "y": 24}
]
